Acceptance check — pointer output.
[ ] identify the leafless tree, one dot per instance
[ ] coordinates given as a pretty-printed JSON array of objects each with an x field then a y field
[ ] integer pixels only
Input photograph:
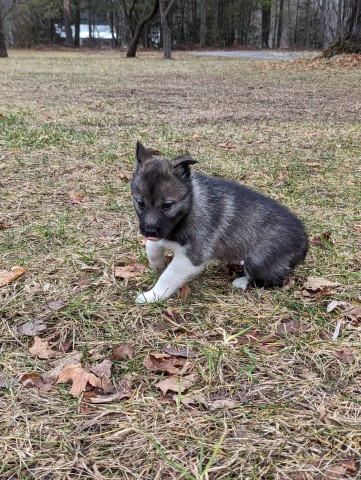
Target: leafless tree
[
  {"x": 164, "y": 10},
  {"x": 348, "y": 39},
  {"x": 5, "y": 8}
]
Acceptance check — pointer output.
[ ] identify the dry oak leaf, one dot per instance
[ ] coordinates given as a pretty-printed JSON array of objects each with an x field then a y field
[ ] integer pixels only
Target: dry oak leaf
[
  {"x": 4, "y": 225},
  {"x": 318, "y": 286},
  {"x": 161, "y": 362},
  {"x": 290, "y": 327},
  {"x": 337, "y": 304},
  {"x": 354, "y": 314},
  {"x": 31, "y": 328},
  {"x": 76, "y": 198},
  {"x": 184, "y": 352},
  {"x": 80, "y": 378},
  {"x": 351, "y": 464},
  {"x": 58, "y": 365},
  {"x": 185, "y": 291},
  {"x": 103, "y": 369},
  {"x": 129, "y": 271},
  {"x": 333, "y": 473},
  {"x": 8, "y": 277},
  {"x": 346, "y": 355},
  {"x": 41, "y": 349},
  {"x": 223, "y": 403},
  {"x": 323, "y": 241},
  {"x": 176, "y": 384},
  {"x": 121, "y": 350},
  {"x": 33, "y": 380}
]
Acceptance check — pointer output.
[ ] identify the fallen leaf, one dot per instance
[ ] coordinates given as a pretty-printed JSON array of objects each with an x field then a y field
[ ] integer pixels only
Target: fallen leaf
[
  {"x": 290, "y": 283},
  {"x": 223, "y": 403},
  {"x": 103, "y": 369},
  {"x": 176, "y": 384},
  {"x": 120, "y": 351},
  {"x": 323, "y": 241},
  {"x": 185, "y": 291},
  {"x": 351, "y": 464},
  {"x": 57, "y": 305},
  {"x": 6, "y": 381},
  {"x": 266, "y": 343},
  {"x": 184, "y": 352},
  {"x": 79, "y": 377},
  {"x": 113, "y": 394},
  {"x": 69, "y": 359},
  {"x": 41, "y": 349},
  {"x": 76, "y": 198},
  {"x": 85, "y": 402},
  {"x": 332, "y": 473},
  {"x": 227, "y": 146},
  {"x": 126, "y": 176},
  {"x": 33, "y": 380},
  {"x": 318, "y": 286},
  {"x": 195, "y": 135},
  {"x": 337, "y": 304},
  {"x": 290, "y": 327},
  {"x": 346, "y": 355},
  {"x": 8, "y": 277},
  {"x": 313, "y": 164},
  {"x": 4, "y": 225},
  {"x": 129, "y": 271},
  {"x": 354, "y": 314},
  {"x": 162, "y": 362},
  {"x": 31, "y": 328},
  {"x": 184, "y": 399}
]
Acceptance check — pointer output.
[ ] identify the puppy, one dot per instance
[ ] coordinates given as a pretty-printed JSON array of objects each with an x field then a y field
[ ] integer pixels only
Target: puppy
[{"x": 202, "y": 218}]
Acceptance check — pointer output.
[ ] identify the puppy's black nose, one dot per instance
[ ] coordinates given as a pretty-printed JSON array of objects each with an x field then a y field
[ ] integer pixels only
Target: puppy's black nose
[{"x": 151, "y": 233}]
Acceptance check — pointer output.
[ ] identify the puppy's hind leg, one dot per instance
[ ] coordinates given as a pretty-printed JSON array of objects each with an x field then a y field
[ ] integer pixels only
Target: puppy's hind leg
[
  {"x": 242, "y": 282},
  {"x": 267, "y": 269}
]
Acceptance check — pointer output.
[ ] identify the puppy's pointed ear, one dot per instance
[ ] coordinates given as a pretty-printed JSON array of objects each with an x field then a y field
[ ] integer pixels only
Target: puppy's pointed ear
[
  {"x": 181, "y": 166},
  {"x": 142, "y": 153}
]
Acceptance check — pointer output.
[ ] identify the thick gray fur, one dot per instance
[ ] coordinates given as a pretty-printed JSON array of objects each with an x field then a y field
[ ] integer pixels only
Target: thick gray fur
[{"x": 217, "y": 219}]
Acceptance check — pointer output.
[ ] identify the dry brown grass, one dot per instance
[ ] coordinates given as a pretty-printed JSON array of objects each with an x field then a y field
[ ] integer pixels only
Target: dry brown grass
[{"x": 69, "y": 123}]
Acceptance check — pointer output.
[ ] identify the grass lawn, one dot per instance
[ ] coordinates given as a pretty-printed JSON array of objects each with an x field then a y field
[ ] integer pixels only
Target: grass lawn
[{"x": 272, "y": 395}]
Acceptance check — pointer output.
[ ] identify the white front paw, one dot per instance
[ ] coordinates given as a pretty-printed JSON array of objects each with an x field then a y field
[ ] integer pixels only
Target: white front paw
[
  {"x": 241, "y": 282},
  {"x": 148, "y": 297},
  {"x": 158, "y": 263}
]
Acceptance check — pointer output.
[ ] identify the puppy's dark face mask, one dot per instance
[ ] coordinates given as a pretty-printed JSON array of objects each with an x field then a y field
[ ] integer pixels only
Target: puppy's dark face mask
[{"x": 162, "y": 192}]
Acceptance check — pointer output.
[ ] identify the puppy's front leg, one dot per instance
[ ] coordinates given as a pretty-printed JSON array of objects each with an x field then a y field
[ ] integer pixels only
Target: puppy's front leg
[
  {"x": 155, "y": 252},
  {"x": 178, "y": 272}
]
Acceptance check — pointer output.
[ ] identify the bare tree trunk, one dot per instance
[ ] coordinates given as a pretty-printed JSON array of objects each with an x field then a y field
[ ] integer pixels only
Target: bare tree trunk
[
  {"x": 167, "y": 32},
  {"x": 307, "y": 26},
  {"x": 202, "y": 29},
  {"x": 90, "y": 23},
  {"x": 280, "y": 24},
  {"x": 77, "y": 24},
  {"x": 67, "y": 20},
  {"x": 132, "y": 48},
  {"x": 348, "y": 39},
  {"x": 339, "y": 14},
  {"x": 215, "y": 26},
  {"x": 296, "y": 23},
  {"x": 266, "y": 23},
  {"x": 3, "y": 50},
  {"x": 275, "y": 27},
  {"x": 321, "y": 35}
]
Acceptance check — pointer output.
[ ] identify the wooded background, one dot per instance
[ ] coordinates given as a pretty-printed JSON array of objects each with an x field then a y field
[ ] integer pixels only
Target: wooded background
[{"x": 218, "y": 23}]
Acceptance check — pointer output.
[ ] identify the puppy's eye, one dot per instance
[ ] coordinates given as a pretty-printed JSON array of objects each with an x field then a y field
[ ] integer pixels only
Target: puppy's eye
[
  {"x": 167, "y": 205},
  {"x": 141, "y": 204}
]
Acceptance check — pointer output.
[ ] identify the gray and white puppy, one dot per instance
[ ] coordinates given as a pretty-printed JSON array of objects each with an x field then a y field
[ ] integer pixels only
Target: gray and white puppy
[{"x": 202, "y": 218}]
